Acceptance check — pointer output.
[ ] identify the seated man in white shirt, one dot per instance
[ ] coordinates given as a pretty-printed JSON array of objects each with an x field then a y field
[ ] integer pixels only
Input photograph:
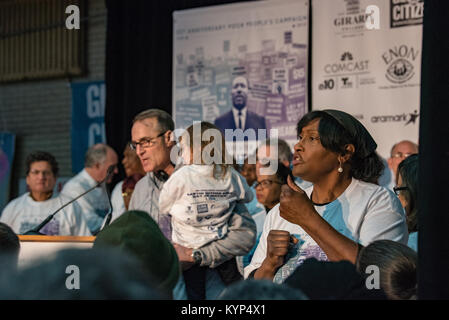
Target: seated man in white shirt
[
  {"x": 29, "y": 210},
  {"x": 95, "y": 204}
]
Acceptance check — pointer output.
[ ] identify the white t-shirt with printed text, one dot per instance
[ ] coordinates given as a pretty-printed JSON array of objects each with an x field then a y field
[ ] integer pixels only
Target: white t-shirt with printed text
[
  {"x": 23, "y": 214},
  {"x": 364, "y": 212},
  {"x": 200, "y": 205}
]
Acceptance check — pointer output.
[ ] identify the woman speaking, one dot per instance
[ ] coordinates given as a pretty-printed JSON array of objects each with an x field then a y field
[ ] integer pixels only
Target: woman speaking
[{"x": 344, "y": 207}]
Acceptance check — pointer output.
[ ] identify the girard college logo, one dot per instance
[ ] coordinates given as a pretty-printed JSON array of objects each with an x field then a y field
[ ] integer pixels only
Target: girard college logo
[{"x": 399, "y": 61}]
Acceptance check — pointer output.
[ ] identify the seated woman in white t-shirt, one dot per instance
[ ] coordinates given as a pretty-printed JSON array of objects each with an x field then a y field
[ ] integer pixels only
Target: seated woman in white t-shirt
[
  {"x": 29, "y": 210},
  {"x": 343, "y": 208}
]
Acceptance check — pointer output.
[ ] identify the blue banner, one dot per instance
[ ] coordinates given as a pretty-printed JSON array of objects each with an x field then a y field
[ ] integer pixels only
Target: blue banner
[
  {"x": 88, "y": 105},
  {"x": 7, "y": 145}
]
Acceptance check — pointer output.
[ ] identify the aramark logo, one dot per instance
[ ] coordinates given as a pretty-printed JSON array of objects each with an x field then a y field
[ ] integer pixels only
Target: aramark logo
[
  {"x": 399, "y": 61},
  {"x": 410, "y": 118}
]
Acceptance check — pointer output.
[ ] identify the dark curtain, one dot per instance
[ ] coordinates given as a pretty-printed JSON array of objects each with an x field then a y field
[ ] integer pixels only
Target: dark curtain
[
  {"x": 139, "y": 61},
  {"x": 433, "y": 219}
]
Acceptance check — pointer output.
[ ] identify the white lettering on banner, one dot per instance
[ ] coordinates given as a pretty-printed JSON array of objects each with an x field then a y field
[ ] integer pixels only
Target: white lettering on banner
[
  {"x": 95, "y": 96},
  {"x": 97, "y": 133},
  {"x": 407, "y": 11},
  {"x": 73, "y": 21}
]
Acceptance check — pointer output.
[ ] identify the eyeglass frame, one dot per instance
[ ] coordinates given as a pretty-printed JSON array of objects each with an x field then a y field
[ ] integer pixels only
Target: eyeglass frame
[
  {"x": 397, "y": 189},
  {"x": 401, "y": 155},
  {"x": 261, "y": 183},
  {"x": 133, "y": 145}
]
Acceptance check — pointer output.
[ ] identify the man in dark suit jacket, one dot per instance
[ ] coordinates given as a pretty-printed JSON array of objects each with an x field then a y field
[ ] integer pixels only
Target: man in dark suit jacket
[{"x": 239, "y": 117}]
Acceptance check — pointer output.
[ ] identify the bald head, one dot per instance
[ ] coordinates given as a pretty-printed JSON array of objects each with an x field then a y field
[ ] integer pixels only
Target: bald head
[{"x": 399, "y": 152}]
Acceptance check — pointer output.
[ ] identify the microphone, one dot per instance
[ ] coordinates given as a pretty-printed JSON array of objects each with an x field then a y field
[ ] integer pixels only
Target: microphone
[{"x": 36, "y": 230}]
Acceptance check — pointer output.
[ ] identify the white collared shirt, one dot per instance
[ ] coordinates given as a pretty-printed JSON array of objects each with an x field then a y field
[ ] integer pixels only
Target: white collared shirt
[
  {"x": 94, "y": 204},
  {"x": 235, "y": 112}
]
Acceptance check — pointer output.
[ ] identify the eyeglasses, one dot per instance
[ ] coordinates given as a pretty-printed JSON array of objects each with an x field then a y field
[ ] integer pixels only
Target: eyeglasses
[
  {"x": 145, "y": 142},
  {"x": 265, "y": 183},
  {"x": 401, "y": 155},
  {"x": 44, "y": 173},
  {"x": 397, "y": 190}
]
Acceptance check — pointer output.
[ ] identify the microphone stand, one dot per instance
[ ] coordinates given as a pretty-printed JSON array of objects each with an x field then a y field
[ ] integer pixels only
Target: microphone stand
[{"x": 36, "y": 230}]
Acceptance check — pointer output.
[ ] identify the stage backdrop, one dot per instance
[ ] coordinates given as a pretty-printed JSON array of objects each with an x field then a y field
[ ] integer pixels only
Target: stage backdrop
[
  {"x": 265, "y": 42},
  {"x": 7, "y": 145},
  {"x": 88, "y": 103},
  {"x": 374, "y": 74}
]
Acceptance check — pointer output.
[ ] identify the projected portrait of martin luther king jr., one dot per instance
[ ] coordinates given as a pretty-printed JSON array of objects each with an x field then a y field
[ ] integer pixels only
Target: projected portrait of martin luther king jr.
[{"x": 240, "y": 117}]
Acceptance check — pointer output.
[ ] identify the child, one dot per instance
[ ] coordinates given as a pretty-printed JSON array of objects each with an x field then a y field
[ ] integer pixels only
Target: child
[{"x": 201, "y": 197}]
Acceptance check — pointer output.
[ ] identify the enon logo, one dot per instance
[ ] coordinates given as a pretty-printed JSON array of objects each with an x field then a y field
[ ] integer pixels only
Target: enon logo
[
  {"x": 407, "y": 118},
  {"x": 399, "y": 61}
]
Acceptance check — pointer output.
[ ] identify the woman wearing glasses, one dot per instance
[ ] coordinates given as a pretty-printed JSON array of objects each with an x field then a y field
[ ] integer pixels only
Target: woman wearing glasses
[
  {"x": 268, "y": 193},
  {"x": 344, "y": 207},
  {"x": 407, "y": 192}
]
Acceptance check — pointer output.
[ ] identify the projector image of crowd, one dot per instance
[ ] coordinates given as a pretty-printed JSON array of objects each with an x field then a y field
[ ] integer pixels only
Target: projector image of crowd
[{"x": 319, "y": 222}]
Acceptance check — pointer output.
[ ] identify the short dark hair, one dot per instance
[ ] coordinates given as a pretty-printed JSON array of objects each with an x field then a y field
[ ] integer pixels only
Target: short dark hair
[
  {"x": 408, "y": 169},
  {"x": 335, "y": 137},
  {"x": 37, "y": 156},
  {"x": 397, "y": 265}
]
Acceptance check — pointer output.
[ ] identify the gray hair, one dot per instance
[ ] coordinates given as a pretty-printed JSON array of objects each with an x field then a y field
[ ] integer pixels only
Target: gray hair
[
  {"x": 95, "y": 154},
  {"x": 164, "y": 120},
  {"x": 284, "y": 150}
]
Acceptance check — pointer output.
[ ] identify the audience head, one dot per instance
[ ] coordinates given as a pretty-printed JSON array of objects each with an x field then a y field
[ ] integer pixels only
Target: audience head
[
  {"x": 399, "y": 152},
  {"x": 98, "y": 159},
  {"x": 324, "y": 280},
  {"x": 103, "y": 274},
  {"x": 131, "y": 162},
  {"x": 334, "y": 142},
  {"x": 248, "y": 171},
  {"x": 9, "y": 247},
  {"x": 397, "y": 265},
  {"x": 136, "y": 233},
  {"x": 152, "y": 139},
  {"x": 260, "y": 290},
  {"x": 407, "y": 190},
  {"x": 42, "y": 171},
  {"x": 268, "y": 187}
]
